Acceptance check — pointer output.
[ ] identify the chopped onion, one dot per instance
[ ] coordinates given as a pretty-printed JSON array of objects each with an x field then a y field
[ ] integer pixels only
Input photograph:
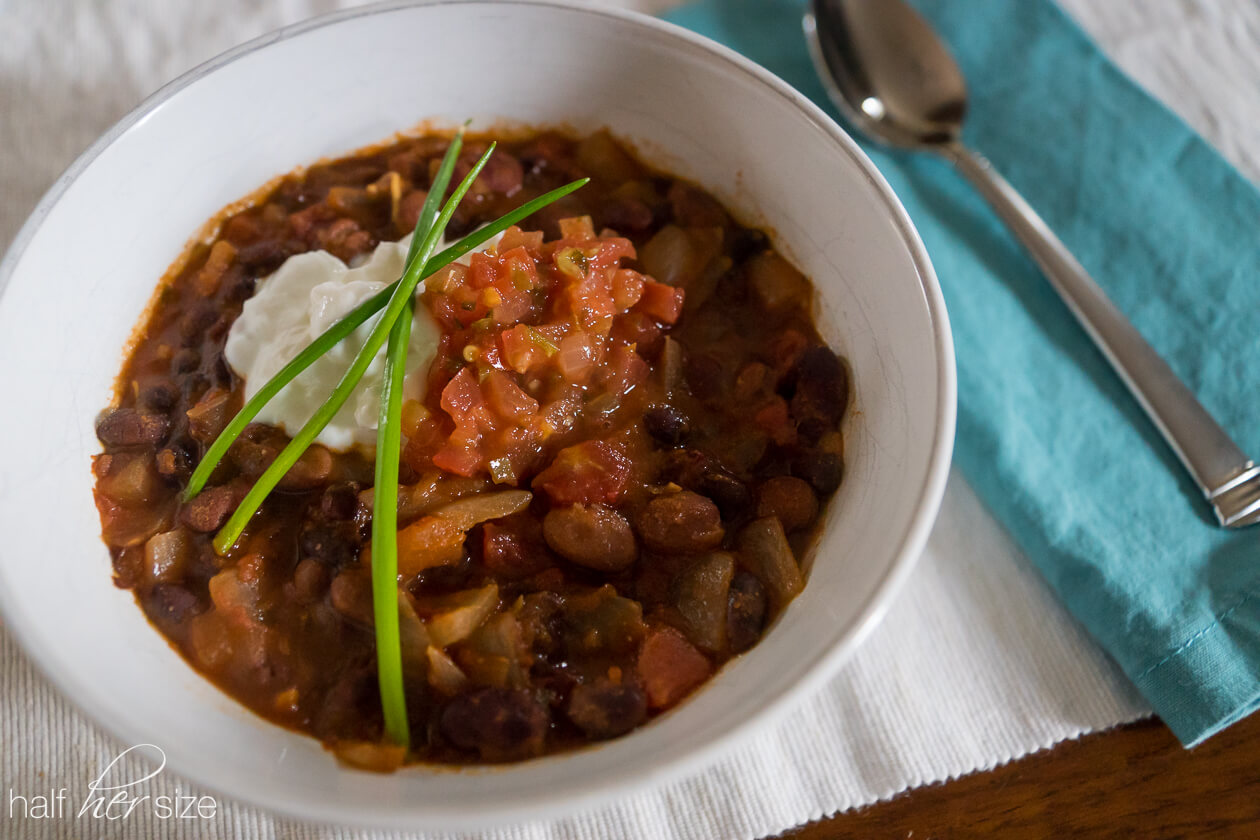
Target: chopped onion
[
  {"x": 457, "y": 616},
  {"x": 764, "y": 547}
]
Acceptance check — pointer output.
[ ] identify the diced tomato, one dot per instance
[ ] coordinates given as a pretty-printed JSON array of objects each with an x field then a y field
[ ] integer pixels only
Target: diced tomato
[
  {"x": 460, "y": 460},
  {"x": 664, "y": 303},
  {"x": 625, "y": 370},
  {"x": 421, "y": 446},
  {"x": 519, "y": 350},
  {"x": 577, "y": 227},
  {"x": 670, "y": 667},
  {"x": 506, "y": 398},
  {"x": 462, "y": 397},
  {"x": 612, "y": 250},
  {"x": 579, "y": 355},
  {"x": 639, "y": 330},
  {"x": 589, "y": 472},
  {"x": 514, "y": 238},
  {"x": 483, "y": 269},
  {"x": 627, "y": 288}
]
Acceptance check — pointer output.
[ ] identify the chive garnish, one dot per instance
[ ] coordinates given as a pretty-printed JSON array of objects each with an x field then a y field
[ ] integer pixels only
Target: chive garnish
[
  {"x": 406, "y": 287},
  {"x": 348, "y": 324},
  {"x": 389, "y": 664}
]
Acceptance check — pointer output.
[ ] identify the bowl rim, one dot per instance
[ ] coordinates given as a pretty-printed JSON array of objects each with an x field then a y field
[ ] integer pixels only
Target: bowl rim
[{"x": 603, "y": 789}]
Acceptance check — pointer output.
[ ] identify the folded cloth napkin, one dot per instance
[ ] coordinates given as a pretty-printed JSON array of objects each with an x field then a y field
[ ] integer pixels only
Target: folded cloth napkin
[{"x": 1047, "y": 435}]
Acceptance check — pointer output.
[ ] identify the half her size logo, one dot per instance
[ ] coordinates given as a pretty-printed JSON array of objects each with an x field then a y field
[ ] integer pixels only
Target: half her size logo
[{"x": 115, "y": 794}]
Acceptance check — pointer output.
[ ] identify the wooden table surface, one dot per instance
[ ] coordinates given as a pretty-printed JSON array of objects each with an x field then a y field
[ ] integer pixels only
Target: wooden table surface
[{"x": 1133, "y": 781}]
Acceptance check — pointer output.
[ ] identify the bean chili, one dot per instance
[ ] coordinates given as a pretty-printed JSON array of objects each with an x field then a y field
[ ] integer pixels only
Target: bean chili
[{"x": 645, "y": 366}]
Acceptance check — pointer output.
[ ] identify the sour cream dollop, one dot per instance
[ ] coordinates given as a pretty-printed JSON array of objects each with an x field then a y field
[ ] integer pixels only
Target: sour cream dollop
[{"x": 291, "y": 308}]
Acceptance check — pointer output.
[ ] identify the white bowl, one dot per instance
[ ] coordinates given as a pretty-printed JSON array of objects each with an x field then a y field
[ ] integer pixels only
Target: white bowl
[{"x": 86, "y": 263}]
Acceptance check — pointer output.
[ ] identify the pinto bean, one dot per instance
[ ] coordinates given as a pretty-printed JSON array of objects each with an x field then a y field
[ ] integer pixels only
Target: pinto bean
[
  {"x": 503, "y": 173},
  {"x": 594, "y": 536},
  {"x": 497, "y": 723},
  {"x": 211, "y": 507},
  {"x": 128, "y": 427},
  {"x": 788, "y": 498},
  {"x": 351, "y": 595},
  {"x": 606, "y": 709},
  {"x": 694, "y": 208},
  {"x": 628, "y": 215},
  {"x": 745, "y": 612},
  {"x": 681, "y": 522},
  {"x": 310, "y": 580},
  {"x": 210, "y": 415}
]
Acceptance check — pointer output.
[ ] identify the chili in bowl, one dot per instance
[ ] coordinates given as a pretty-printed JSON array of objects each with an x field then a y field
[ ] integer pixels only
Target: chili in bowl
[{"x": 676, "y": 438}]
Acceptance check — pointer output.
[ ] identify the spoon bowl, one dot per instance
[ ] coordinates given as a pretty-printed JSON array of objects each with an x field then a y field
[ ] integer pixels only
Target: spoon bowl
[
  {"x": 887, "y": 71},
  {"x": 894, "y": 80}
]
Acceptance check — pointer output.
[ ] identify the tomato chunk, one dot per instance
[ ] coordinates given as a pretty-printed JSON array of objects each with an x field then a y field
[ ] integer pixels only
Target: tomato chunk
[
  {"x": 590, "y": 472},
  {"x": 664, "y": 303},
  {"x": 670, "y": 667}
]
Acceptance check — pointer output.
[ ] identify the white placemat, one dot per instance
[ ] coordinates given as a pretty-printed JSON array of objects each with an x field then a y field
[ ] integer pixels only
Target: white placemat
[{"x": 975, "y": 664}]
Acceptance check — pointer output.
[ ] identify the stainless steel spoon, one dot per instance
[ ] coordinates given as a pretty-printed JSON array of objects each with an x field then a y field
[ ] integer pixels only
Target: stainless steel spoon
[{"x": 893, "y": 78}]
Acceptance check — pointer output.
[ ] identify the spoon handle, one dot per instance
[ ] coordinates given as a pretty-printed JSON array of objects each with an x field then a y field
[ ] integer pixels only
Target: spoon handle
[{"x": 1227, "y": 477}]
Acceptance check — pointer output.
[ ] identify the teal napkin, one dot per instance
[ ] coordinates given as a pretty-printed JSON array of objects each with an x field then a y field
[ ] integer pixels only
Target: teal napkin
[{"x": 1047, "y": 435}]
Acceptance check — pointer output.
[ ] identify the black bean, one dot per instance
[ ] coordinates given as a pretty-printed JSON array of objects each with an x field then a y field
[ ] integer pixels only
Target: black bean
[
  {"x": 340, "y": 501},
  {"x": 605, "y": 709},
  {"x": 159, "y": 398},
  {"x": 242, "y": 289},
  {"x": 174, "y": 604},
  {"x": 263, "y": 257},
  {"x": 220, "y": 373},
  {"x": 185, "y": 361},
  {"x": 194, "y": 325},
  {"x": 173, "y": 462},
  {"x": 333, "y": 546},
  {"x": 729, "y": 493},
  {"x": 822, "y": 386},
  {"x": 810, "y": 429},
  {"x": 746, "y": 611},
  {"x": 666, "y": 424},
  {"x": 497, "y": 723},
  {"x": 747, "y": 243},
  {"x": 705, "y": 376},
  {"x": 823, "y": 470},
  {"x": 193, "y": 386}
]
